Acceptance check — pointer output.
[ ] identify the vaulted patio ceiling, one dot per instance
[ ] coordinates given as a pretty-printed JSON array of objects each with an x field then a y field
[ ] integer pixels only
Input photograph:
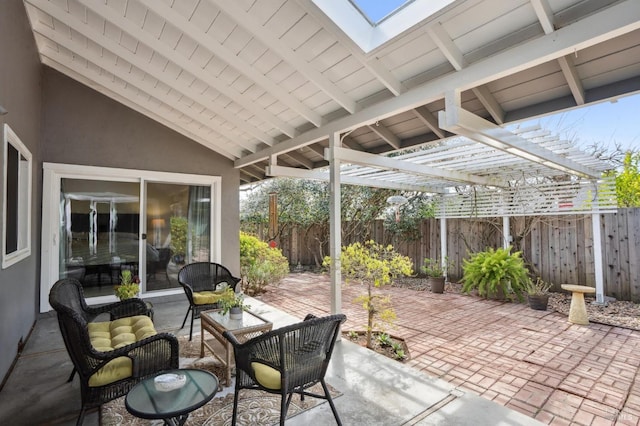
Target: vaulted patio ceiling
[{"x": 265, "y": 83}]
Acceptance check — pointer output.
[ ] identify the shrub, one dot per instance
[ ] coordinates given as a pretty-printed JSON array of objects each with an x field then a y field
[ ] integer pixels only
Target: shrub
[
  {"x": 495, "y": 271},
  {"x": 260, "y": 265}
]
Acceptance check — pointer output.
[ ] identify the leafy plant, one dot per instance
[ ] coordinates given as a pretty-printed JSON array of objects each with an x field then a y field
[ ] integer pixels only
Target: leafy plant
[
  {"x": 537, "y": 287},
  {"x": 434, "y": 268},
  {"x": 373, "y": 265},
  {"x": 178, "y": 227},
  {"x": 353, "y": 335},
  {"x": 495, "y": 271},
  {"x": 231, "y": 299},
  {"x": 260, "y": 265},
  {"x": 398, "y": 351},
  {"x": 384, "y": 339},
  {"x": 129, "y": 286}
]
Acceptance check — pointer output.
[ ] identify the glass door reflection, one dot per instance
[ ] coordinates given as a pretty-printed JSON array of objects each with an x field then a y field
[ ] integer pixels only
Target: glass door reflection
[{"x": 99, "y": 235}]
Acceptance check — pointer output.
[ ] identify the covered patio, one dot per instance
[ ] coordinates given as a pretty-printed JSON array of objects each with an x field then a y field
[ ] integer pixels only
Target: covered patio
[{"x": 472, "y": 362}]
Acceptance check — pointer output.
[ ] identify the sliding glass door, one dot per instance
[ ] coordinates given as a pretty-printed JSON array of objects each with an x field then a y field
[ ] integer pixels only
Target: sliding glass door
[{"x": 98, "y": 222}]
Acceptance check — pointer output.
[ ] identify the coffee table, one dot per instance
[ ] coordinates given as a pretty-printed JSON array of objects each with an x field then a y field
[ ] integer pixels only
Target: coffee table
[
  {"x": 214, "y": 322},
  {"x": 174, "y": 406}
]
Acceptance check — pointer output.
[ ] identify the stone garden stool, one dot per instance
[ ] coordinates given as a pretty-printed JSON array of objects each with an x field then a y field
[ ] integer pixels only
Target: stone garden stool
[{"x": 578, "y": 309}]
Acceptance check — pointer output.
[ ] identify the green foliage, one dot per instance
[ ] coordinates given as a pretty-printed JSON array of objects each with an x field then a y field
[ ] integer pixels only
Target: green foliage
[
  {"x": 373, "y": 265},
  {"x": 231, "y": 299},
  {"x": 398, "y": 351},
  {"x": 383, "y": 339},
  {"x": 353, "y": 335},
  {"x": 628, "y": 181},
  {"x": 493, "y": 272},
  {"x": 260, "y": 265},
  {"x": 129, "y": 286},
  {"x": 434, "y": 268},
  {"x": 178, "y": 227}
]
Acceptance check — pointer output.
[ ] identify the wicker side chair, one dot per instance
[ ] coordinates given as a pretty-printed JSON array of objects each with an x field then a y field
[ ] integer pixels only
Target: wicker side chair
[
  {"x": 158, "y": 352},
  {"x": 200, "y": 280},
  {"x": 287, "y": 360}
]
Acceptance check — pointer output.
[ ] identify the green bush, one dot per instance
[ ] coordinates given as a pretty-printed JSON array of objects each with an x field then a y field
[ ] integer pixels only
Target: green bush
[
  {"x": 495, "y": 271},
  {"x": 260, "y": 265}
]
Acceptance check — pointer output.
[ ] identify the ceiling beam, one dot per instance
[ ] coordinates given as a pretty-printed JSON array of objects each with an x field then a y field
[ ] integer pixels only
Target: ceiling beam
[
  {"x": 454, "y": 55},
  {"x": 236, "y": 61},
  {"x": 429, "y": 120},
  {"x": 465, "y": 123},
  {"x": 183, "y": 62},
  {"x": 252, "y": 26},
  {"x": 546, "y": 19},
  {"x": 386, "y": 134},
  {"x": 300, "y": 159},
  {"x": 389, "y": 163},
  {"x": 323, "y": 175},
  {"x": 370, "y": 62},
  {"x": 611, "y": 22}
]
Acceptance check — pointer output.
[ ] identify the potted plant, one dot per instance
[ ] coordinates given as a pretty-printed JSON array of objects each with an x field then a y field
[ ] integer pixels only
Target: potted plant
[
  {"x": 435, "y": 271},
  {"x": 129, "y": 286},
  {"x": 495, "y": 273},
  {"x": 538, "y": 294},
  {"x": 232, "y": 303}
]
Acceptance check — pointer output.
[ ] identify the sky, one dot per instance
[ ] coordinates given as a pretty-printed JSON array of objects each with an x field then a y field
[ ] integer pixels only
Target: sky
[{"x": 604, "y": 123}]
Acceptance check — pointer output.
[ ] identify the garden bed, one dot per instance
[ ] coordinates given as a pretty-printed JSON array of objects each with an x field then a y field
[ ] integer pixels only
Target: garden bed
[{"x": 387, "y": 350}]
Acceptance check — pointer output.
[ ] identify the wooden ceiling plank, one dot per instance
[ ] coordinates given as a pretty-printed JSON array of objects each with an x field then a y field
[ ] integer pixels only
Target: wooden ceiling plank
[{"x": 250, "y": 25}]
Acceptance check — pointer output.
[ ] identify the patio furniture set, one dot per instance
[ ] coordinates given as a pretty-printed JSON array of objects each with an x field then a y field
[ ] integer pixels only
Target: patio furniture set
[{"x": 116, "y": 350}]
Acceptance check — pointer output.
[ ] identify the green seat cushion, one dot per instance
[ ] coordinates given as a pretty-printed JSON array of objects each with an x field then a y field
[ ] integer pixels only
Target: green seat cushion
[
  {"x": 207, "y": 297},
  {"x": 109, "y": 335},
  {"x": 267, "y": 377}
]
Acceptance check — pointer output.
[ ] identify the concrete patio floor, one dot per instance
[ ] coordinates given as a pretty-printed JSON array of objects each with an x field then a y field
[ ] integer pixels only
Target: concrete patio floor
[{"x": 472, "y": 362}]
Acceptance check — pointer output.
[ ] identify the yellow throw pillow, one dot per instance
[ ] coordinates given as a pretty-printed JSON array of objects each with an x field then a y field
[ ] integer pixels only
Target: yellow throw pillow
[{"x": 266, "y": 376}]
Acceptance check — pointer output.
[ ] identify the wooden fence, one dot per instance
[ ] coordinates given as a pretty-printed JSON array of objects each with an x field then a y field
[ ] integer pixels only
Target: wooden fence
[{"x": 558, "y": 248}]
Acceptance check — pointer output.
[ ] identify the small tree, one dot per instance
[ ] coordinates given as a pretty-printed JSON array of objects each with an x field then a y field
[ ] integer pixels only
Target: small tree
[{"x": 373, "y": 266}]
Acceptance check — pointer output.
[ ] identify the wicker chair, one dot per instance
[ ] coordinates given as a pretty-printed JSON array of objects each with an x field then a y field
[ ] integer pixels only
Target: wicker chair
[
  {"x": 152, "y": 354},
  {"x": 203, "y": 277},
  {"x": 287, "y": 360}
]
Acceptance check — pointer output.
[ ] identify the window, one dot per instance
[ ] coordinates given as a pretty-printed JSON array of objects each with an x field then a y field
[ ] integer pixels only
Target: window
[{"x": 16, "y": 191}]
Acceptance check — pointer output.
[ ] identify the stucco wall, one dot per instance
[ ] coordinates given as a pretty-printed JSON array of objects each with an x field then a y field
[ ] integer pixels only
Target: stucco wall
[
  {"x": 20, "y": 94},
  {"x": 62, "y": 121},
  {"x": 82, "y": 126}
]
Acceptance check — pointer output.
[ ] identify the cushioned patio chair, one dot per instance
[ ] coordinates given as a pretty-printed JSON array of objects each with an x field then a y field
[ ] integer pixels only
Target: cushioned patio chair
[
  {"x": 204, "y": 283},
  {"x": 287, "y": 361},
  {"x": 109, "y": 356}
]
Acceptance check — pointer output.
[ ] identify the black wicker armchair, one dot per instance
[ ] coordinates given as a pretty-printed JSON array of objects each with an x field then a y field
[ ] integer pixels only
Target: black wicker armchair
[
  {"x": 287, "y": 360},
  {"x": 108, "y": 374},
  {"x": 200, "y": 281}
]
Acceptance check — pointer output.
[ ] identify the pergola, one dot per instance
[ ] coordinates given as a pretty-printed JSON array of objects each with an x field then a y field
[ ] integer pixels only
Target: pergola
[{"x": 286, "y": 88}]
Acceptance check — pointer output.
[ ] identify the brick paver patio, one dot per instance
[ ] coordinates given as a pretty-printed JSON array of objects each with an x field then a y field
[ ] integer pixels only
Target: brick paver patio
[{"x": 532, "y": 361}]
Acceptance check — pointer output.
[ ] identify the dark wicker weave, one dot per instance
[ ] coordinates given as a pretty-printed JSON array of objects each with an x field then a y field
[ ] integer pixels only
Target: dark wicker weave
[
  {"x": 149, "y": 356},
  {"x": 300, "y": 352},
  {"x": 203, "y": 276}
]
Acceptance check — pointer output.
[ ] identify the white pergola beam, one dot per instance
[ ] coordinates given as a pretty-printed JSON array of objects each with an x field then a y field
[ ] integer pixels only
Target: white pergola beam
[
  {"x": 382, "y": 162},
  {"x": 322, "y": 175},
  {"x": 429, "y": 120},
  {"x": 545, "y": 15},
  {"x": 465, "y": 123},
  {"x": 571, "y": 75},
  {"x": 611, "y": 22},
  {"x": 489, "y": 101}
]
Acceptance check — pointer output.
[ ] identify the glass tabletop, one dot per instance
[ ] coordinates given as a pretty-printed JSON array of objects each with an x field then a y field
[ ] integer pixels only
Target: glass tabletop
[
  {"x": 248, "y": 320},
  {"x": 146, "y": 401}
]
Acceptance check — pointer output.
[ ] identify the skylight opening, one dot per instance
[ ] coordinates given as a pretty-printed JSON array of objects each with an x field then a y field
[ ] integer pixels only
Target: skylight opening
[
  {"x": 372, "y": 23},
  {"x": 376, "y": 11}
]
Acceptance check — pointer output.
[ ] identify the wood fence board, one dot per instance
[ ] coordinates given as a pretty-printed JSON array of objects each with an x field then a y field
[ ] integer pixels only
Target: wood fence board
[{"x": 633, "y": 265}]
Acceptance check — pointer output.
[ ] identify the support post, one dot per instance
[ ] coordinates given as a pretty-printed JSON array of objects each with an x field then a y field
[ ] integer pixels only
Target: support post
[
  {"x": 335, "y": 225},
  {"x": 443, "y": 240},
  {"x": 597, "y": 257},
  {"x": 506, "y": 232}
]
